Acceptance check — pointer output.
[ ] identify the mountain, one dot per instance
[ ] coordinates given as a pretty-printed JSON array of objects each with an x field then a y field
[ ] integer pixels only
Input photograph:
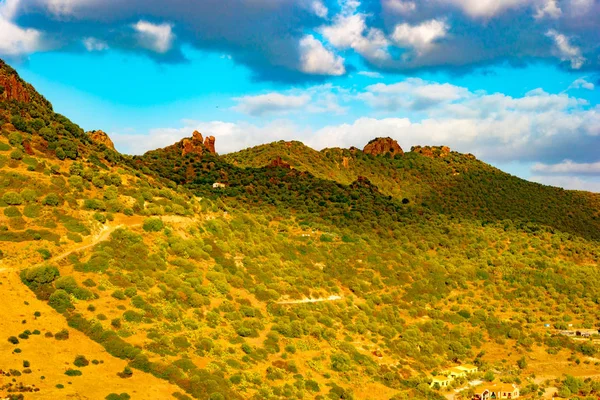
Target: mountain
[{"x": 280, "y": 271}]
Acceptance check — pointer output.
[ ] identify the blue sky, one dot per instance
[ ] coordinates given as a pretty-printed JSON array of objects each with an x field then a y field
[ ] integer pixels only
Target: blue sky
[{"x": 514, "y": 82}]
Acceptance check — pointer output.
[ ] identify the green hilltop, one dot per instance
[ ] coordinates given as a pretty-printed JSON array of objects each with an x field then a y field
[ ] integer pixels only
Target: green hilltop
[{"x": 283, "y": 272}]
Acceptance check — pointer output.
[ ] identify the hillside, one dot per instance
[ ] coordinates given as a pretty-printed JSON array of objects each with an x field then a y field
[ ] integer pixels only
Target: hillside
[{"x": 310, "y": 275}]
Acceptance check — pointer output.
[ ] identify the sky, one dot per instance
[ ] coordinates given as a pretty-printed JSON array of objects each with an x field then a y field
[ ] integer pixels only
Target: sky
[{"x": 514, "y": 82}]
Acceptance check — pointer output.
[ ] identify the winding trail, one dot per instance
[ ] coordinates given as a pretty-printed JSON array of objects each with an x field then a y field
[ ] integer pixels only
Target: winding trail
[
  {"x": 98, "y": 237},
  {"x": 330, "y": 298}
]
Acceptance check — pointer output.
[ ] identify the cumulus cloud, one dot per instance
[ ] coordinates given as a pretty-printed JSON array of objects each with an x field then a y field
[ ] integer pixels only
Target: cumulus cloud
[
  {"x": 548, "y": 9},
  {"x": 17, "y": 41},
  {"x": 264, "y": 35},
  {"x": 371, "y": 74},
  {"x": 351, "y": 32},
  {"x": 317, "y": 60},
  {"x": 581, "y": 83},
  {"x": 485, "y": 8},
  {"x": 421, "y": 37},
  {"x": 316, "y": 99},
  {"x": 567, "y": 51},
  {"x": 155, "y": 37},
  {"x": 270, "y": 103},
  {"x": 93, "y": 44},
  {"x": 402, "y": 7},
  {"x": 568, "y": 182},
  {"x": 567, "y": 167},
  {"x": 412, "y": 93}
]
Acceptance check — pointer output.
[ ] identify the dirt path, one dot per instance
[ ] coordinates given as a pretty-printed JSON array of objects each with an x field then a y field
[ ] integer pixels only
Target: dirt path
[
  {"x": 98, "y": 237},
  {"x": 330, "y": 298}
]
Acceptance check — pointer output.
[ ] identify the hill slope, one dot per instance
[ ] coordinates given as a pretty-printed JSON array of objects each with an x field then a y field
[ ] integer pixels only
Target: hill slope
[{"x": 309, "y": 277}]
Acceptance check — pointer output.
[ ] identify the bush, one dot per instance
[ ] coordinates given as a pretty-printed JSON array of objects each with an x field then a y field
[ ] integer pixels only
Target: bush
[
  {"x": 114, "y": 396},
  {"x": 13, "y": 340},
  {"x": 12, "y": 212},
  {"x": 81, "y": 361},
  {"x": 153, "y": 225},
  {"x": 126, "y": 373},
  {"x": 52, "y": 199},
  {"x": 60, "y": 301},
  {"x": 16, "y": 154},
  {"x": 12, "y": 198},
  {"x": 73, "y": 372}
]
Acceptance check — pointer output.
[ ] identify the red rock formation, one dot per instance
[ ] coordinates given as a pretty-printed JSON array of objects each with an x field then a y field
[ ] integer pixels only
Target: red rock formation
[
  {"x": 101, "y": 137},
  {"x": 279, "y": 163},
  {"x": 381, "y": 146},
  {"x": 27, "y": 147},
  {"x": 13, "y": 89},
  {"x": 209, "y": 144},
  {"x": 193, "y": 145},
  {"x": 345, "y": 162}
]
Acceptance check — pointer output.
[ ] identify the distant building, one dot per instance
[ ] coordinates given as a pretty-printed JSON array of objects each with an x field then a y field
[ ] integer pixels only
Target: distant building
[
  {"x": 441, "y": 381},
  {"x": 468, "y": 368},
  {"x": 455, "y": 372},
  {"x": 496, "y": 391},
  {"x": 218, "y": 185}
]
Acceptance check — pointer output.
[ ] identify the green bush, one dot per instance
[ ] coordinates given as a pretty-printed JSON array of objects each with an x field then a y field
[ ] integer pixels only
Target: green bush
[
  {"x": 60, "y": 301},
  {"x": 73, "y": 372},
  {"x": 12, "y": 212},
  {"x": 62, "y": 335},
  {"x": 52, "y": 199},
  {"x": 81, "y": 361},
  {"x": 12, "y": 198},
  {"x": 153, "y": 225},
  {"x": 16, "y": 154}
]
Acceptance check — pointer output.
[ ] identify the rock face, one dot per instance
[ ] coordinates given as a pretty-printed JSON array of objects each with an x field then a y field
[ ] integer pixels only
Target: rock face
[
  {"x": 11, "y": 88},
  {"x": 197, "y": 144},
  {"x": 209, "y": 144},
  {"x": 101, "y": 137},
  {"x": 431, "y": 151},
  {"x": 279, "y": 163},
  {"x": 380, "y": 146}
]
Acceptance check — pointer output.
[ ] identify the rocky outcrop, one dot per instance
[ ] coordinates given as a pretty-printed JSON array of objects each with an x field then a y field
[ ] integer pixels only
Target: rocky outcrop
[
  {"x": 11, "y": 88},
  {"x": 382, "y": 146},
  {"x": 345, "y": 162},
  {"x": 102, "y": 138},
  {"x": 209, "y": 144},
  {"x": 431, "y": 151},
  {"x": 279, "y": 163}
]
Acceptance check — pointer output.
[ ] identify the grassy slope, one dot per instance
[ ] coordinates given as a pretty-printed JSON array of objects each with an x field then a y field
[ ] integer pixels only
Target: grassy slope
[{"x": 199, "y": 296}]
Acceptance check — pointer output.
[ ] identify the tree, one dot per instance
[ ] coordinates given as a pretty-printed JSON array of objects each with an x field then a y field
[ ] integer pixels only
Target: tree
[{"x": 522, "y": 363}]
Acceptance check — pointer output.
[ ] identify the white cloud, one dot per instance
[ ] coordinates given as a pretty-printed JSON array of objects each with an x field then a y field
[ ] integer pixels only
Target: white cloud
[
  {"x": 421, "y": 37},
  {"x": 371, "y": 74},
  {"x": 317, "y": 60},
  {"x": 579, "y": 7},
  {"x": 412, "y": 93},
  {"x": 93, "y": 44},
  {"x": 315, "y": 99},
  {"x": 548, "y": 9},
  {"x": 485, "y": 8},
  {"x": 65, "y": 7},
  {"x": 400, "y": 6},
  {"x": 351, "y": 32},
  {"x": 319, "y": 9},
  {"x": 155, "y": 37},
  {"x": 567, "y": 51},
  {"x": 568, "y": 182},
  {"x": 270, "y": 103},
  {"x": 17, "y": 41},
  {"x": 567, "y": 167},
  {"x": 581, "y": 83}
]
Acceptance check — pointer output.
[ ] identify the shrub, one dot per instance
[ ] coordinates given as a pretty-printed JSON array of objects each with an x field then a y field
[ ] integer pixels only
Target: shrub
[
  {"x": 100, "y": 218},
  {"x": 60, "y": 301},
  {"x": 73, "y": 372},
  {"x": 81, "y": 361},
  {"x": 12, "y": 198},
  {"x": 45, "y": 253},
  {"x": 126, "y": 373},
  {"x": 118, "y": 294},
  {"x": 15, "y": 139},
  {"x": 16, "y": 154},
  {"x": 114, "y": 396},
  {"x": 52, "y": 199},
  {"x": 12, "y": 212},
  {"x": 153, "y": 225},
  {"x": 13, "y": 340}
]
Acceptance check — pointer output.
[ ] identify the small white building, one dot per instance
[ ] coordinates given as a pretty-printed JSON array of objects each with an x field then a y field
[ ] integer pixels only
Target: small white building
[{"x": 218, "y": 185}]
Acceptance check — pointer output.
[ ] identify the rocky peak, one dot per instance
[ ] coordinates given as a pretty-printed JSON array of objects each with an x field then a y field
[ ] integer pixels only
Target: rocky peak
[
  {"x": 11, "y": 87},
  {"x": 431, "y": 151},
  {"x": 381, "y": 146},
  {"x": 197, "y": 144},
  {"x": 209, "y": 144},
  {"x": 101, "y": 137}
]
